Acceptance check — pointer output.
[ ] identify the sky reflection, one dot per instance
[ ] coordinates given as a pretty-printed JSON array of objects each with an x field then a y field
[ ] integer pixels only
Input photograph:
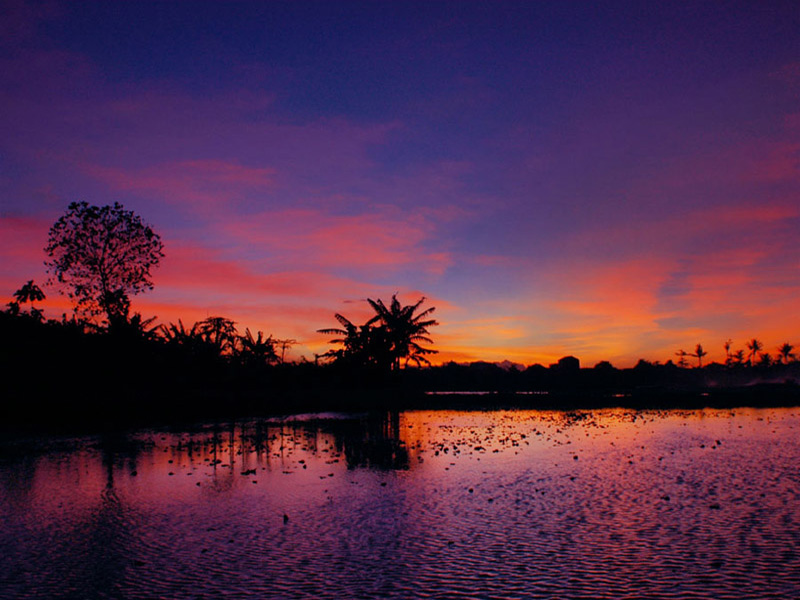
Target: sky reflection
[{"x": 506, "y": 503}]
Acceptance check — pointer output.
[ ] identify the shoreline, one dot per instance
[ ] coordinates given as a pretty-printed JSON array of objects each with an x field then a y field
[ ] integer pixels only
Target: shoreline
[{"x": 92, "y": 417}]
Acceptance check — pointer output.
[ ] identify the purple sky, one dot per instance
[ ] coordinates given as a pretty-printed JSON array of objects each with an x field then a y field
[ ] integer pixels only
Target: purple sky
[{"x": 610, "y": 180}]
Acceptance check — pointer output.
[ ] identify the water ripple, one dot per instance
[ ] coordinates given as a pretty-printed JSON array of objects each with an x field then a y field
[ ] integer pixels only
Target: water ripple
[{"x": 517, "y": 504}]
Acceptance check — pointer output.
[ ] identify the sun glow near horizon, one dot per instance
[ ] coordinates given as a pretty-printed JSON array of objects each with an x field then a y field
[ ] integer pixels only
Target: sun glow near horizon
[{"x": 608, "y": 199}]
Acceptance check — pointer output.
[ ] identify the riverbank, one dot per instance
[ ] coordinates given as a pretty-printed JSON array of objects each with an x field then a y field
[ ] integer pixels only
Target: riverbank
[{"x": 89, "y": 414}]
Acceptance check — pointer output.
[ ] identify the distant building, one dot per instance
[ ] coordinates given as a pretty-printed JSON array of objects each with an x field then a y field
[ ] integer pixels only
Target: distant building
[{"x": 568, "y": 364}]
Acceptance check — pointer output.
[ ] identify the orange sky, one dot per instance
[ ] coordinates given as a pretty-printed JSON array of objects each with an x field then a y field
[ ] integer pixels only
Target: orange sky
[{"x": 610, "y": 184}]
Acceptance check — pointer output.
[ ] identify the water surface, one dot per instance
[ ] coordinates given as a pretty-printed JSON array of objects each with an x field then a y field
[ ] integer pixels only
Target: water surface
[{"x": 437, "y": 504}]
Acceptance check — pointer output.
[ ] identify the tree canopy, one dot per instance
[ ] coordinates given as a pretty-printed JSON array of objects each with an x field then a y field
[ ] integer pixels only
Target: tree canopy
[
  {"x": 390, "y": 338},
  {"x": 102, "y": 255}
]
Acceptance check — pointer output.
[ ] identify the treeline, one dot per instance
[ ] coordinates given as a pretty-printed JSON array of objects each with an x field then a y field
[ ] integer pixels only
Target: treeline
[
  {"x": 754, "y": 355},
  {"x": 603, "y": 378},
  {"x": 105, "y": 364},
  {"x": 129, "y": 370},
  {"x": 71, "y": 371}
]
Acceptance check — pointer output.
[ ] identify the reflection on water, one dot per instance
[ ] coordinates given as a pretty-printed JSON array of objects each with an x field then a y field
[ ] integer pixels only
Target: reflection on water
[{"x": 440, "y": 504}]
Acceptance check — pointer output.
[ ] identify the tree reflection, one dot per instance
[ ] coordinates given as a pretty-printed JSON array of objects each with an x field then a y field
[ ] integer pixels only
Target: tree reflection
[
  {"x": 374, "y": 442},
  {"x": 369, "y": 441}
]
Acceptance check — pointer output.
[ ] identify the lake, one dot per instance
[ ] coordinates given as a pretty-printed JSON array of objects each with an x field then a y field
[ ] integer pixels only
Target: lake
[{"x": 420, "y": 504}]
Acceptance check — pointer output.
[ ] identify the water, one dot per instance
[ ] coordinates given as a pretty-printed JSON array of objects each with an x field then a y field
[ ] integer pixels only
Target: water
[{"x": 438, "y": 504}]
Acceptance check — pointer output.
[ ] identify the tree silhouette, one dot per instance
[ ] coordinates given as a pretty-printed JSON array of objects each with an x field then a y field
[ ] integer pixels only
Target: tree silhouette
[
  {"x": 738, "y": 357},
  {"x": 103, "y": 255},
  {"x": 362, "y": 345},
  {"x": 134, "y": 328},
  {"x": 728, "y": 356},
  {"x": 755, "y": 347},
  {"x": 348, "y": 331},
  {"x": 257, "y": 351},
  {"x": 699, "y": 353},
  {"x": 178, "y": 334},
  {"x": 207, "y": 340},
  {"x": 682, "y": 354},
  {"x": 284, "y": 344},
  {"x": 219, "y": 332},
  {"x": 30, "y": 292},
  {"x": 785, "y": 352},
  {"x": 404, "y": 330}
]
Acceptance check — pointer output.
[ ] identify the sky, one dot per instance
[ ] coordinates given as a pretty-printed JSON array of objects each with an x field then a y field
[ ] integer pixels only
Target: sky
[{"x": 609, "y": 180}]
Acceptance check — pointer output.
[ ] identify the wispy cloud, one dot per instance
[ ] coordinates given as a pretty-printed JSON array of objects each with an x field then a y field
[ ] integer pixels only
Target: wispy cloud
[{"x": 195, "y": 182}]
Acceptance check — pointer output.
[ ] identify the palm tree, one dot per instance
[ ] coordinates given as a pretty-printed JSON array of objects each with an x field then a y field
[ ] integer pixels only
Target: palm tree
[
  {"x": 30, "y": 292},
  {"x": 361, "y": 344},
  {"x": 284, "y": 344},
  {"x": 177, "y": 334},
  {"x": 219, "y": 332},
  {"x": 728, "y": 356},
  {"x": 394, "y": 334},
  {"x": 189, "y": 340},
  {"x": 755, "y": 347},
  {"x": 349, "y": 339},
  {"x": 135, "y": 327},
  {"x": 785, "y": 352},
  {"x": 699, "y": 353},
  {"x": 738, "y": 357},
  {"x": 405, "y": 330},
  {"x": 682, "y": 354},
  {"x": 256, "y": 350}
]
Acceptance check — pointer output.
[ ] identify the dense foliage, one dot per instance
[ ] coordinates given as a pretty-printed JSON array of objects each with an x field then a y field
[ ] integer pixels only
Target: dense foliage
[
  {"x": 102, "y": 256},
  {"x": 386, "y": 341},
  {"x": 127, "y": 369}
]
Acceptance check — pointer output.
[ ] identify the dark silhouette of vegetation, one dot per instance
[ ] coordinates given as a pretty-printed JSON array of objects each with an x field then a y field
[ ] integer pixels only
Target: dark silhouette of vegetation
[
  {"x": 405, "y": 330},
  {"x": 283, "y": 344},
  {"x": 256, "y": 351},
  {"x": 390, "y": 339},
  {"x": 142, "y": 373},
  {"x": 755, "y": 347},
  {"x": 126, "y": 369},
  {"x": 363, "y": 346},
  {"x": 219, "y": 333},
  {"x": 728, "y": 355},
  {"x": 785, "y": 353},
  {"x": 102, "y": 255},
  {"x": 699, "y": 353},
  {"x": 30, "y": 292}
]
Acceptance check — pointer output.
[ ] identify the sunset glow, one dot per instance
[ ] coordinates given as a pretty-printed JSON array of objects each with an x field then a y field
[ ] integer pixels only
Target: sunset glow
[{"x": 556, "y": 179}]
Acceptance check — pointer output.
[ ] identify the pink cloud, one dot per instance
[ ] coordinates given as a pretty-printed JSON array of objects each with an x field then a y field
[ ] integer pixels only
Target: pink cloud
[
  {"x": 363, "y": 242},
  {"x": 756, "y": 226},
  {"x": 779, "y": 161},
  {"x": 22, "y": 240},
  {"x": 195, "y": 181},
  {"x": 190, "y": 267}
]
